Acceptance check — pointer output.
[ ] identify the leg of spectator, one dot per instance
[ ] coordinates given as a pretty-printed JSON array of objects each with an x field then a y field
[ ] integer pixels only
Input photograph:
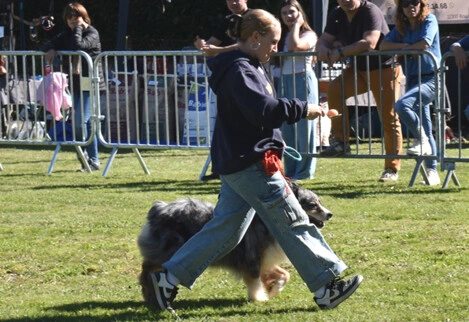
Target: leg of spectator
[
  {"x": 427, "y": 127},
  {"x": 337, "y": 94},
  {"x": 404, "y": 107},
  {"x": 386, "y": 92}
]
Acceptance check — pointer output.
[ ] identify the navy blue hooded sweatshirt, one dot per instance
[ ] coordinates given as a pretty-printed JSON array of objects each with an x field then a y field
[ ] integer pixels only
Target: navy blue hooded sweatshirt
[{"x": 248, "y": 113}]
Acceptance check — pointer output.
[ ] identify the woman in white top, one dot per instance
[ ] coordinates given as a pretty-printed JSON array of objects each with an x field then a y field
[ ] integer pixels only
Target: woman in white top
[{"x": 297, "y": 79}]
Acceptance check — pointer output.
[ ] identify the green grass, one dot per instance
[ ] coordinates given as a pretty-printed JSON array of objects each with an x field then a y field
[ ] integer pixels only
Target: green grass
[{"x": 68, "y": 242}]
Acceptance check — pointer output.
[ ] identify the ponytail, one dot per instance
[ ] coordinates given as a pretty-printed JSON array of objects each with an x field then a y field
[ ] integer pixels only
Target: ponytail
[
  {"x": 242, "y": 27},
  {"x": 234, "y": 26}
]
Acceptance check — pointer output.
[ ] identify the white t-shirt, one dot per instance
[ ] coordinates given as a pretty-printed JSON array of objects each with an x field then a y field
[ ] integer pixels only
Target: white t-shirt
[{"x": 300, "y": 61}]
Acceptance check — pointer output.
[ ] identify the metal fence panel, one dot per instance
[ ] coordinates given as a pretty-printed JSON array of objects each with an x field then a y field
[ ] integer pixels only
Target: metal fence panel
[
  {"x": 162, "y": 100},
  {"x": 36, "y": 107}
]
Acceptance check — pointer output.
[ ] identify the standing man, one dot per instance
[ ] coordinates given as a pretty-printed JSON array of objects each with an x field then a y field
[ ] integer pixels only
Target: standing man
[
  {"x": 220, "y": 42},
  {"x": 357, "y": 26}
]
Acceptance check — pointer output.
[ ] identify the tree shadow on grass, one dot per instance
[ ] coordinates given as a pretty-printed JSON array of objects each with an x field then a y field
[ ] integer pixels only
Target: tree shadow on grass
[
  {"x": 92, "y": 311},
  {"x": 191, "y": 310},
  {"x": 183, "y": 187},
  {"x": 344, "y": 191},
  {"x": 139, "y": 311},
  {"x": 200, "y": 188}
]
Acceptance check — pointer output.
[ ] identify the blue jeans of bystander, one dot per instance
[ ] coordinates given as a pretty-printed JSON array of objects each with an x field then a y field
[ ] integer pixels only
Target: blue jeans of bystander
[
  {"x": 82, "y": 123},
  {"x": 414, "y": 117},
  {"x": 300, "y": 135}
]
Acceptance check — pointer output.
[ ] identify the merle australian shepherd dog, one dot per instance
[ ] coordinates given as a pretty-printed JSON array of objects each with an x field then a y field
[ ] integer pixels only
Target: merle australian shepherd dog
[{"x": 256, "y": 258}]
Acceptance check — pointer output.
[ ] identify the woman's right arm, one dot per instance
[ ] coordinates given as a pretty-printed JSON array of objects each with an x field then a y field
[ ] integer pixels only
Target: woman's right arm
[
  {"x": 50, "y": 56},
  {"x": 49, "y": 49},
  {"x": 51, "y": 46},
  {"x": 296, "y": 41},
  {"x": 389, "y": 45},
  {"x": 391, "y": 42}
]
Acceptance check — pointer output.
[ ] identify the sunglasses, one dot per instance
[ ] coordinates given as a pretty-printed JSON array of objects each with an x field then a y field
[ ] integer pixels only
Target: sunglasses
[
  {"x": 406, "y": 3},
  {"x": 73, "y": 15}
]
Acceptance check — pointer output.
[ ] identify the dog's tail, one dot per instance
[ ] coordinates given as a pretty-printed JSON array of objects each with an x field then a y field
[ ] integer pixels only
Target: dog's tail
[{"x": 147, "y": 268}]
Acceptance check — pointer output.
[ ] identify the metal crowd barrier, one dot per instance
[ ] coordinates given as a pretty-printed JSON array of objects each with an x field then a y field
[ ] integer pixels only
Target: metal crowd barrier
[
  {"x": 361, "y": 114},
  {"x": 27, "y": 113},
  {"x": 142, "y": 109},
  {"x": 451, "y": 144},
  {"x": 161, "y": 100},
  {"x": 455, "y": 145},
  {"x": 155, "y": 100}
]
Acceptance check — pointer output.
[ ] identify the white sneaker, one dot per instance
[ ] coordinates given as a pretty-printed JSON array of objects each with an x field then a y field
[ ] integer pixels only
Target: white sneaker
[
  {"x": 389, "y": 175},
  {"x": 162, "y": 291},
  {"x": 338, "y": 291},
  {"x": 433, "y": 178},
  {"x": 420, "y": 148}
]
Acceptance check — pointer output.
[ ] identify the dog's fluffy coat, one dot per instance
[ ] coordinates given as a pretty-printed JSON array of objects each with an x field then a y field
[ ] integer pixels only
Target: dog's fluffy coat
[{"x": 256, "y": 258}]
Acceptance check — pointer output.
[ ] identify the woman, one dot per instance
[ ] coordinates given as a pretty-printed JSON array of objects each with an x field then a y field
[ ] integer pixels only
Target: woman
[
  {"x": 246, "y": 149},
  {"x": 297, "y": 79},
  {"x": 417, "y": 29},
  {"x": 79, "y": 35}
]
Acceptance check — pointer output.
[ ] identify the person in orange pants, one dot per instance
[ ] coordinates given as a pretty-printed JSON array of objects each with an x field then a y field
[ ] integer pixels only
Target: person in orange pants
[
  {"x": 352, "y": 28},
  {"x": 386, "y": 92}
]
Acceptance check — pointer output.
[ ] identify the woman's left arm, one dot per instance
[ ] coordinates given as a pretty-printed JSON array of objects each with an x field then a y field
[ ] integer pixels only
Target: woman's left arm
[
  {"x": 85, "y": 39},
  {"x": 428, "y": 34}
]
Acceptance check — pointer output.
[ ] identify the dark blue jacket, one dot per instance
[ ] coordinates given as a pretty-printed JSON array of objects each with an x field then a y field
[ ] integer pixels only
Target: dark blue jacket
[{"x": 248, "y": 113}]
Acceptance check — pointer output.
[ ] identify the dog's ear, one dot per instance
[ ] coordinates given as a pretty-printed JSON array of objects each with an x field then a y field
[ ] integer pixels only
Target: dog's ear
[{"x": 295, "y": 187}]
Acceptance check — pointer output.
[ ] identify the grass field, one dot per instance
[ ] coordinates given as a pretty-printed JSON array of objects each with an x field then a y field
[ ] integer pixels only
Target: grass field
[{"x": 68, "y": 242}]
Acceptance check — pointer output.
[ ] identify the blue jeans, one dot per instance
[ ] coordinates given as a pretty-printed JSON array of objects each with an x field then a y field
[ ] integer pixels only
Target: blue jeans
[
  {"x": 408, "y": 108},
  {"x": 82, "y": 123},
  {"x": 279, "y": 210},
  {"x": 300, "y": 136}
]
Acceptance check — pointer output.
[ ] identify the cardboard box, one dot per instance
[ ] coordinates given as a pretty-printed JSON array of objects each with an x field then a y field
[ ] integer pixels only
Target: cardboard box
[
  {"x": 181, "y": 103},
  {"x": 198, "y": 125},
  {"x": 158, "y": 110}
]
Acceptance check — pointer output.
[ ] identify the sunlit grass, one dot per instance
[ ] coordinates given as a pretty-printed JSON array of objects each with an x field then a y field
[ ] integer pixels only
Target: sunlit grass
[{"x": 69, "y": 253}]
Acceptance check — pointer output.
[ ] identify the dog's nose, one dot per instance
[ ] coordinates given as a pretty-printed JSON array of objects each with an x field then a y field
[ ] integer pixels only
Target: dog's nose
[{"x": 329, "y": 215}]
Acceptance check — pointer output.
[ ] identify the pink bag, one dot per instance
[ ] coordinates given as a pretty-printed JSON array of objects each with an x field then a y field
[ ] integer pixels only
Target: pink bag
[{"x": 53, "y": 93}]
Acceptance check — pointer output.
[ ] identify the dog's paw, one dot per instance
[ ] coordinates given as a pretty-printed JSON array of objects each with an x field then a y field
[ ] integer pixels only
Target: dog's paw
[
  {"x": 256, "y": 288},
  {"x": 258, "y": 295},
  {"x": 276, "y": 287},
  {"x": 275, "y": 280}
]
